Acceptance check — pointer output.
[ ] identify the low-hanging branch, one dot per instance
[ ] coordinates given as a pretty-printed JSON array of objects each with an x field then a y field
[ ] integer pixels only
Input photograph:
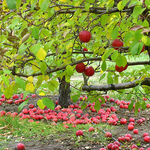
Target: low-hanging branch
[{"x": 119, "y": 86}]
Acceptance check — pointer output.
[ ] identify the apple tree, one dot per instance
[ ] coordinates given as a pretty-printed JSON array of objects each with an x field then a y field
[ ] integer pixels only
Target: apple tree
[{"x": 44, "y": 43}]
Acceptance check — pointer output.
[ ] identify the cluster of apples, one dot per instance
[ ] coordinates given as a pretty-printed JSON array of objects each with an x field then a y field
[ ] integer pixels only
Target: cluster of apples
[
  {"x": 74, "y": 115},
  {"x": 85, "y": 37},
  {"x": 117, "y": 44}
]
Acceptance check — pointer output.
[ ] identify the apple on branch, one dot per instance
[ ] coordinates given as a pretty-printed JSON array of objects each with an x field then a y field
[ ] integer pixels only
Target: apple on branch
[{"x": 84, "y": 36}]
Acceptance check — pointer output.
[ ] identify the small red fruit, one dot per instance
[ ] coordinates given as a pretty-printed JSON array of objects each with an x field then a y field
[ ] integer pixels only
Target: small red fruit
[
  {"x": 89, "y": 71},
  {"x": 115, "y": 147},
  {"x": 117, "y": 43},
  {"x": 145, "y": 134},
  {"x": 130, "y": 127},
  {"x": 79, "y": 133},
  {"x": 80, "y": 67},
  {"x": 143, "y": 48},
  {"x": 119, "y": 69},
  {"x": 147, "y": 139},
  {"x": 131, "y": 120},
  {"x": 108, "y": 134},
  {"x": 123, "y": 121},
  {"x": 91, "y": 129},
  {"x": 135, "y": 131},
  {"x": 85, "y": 49},
  {"x": 84, "y": 36},
  {"x": 20, "y": 146},
  {"x": 135, "y": 147}
]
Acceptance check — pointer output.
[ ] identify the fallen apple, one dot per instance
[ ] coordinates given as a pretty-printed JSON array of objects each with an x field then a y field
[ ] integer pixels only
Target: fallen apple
[{"x": 20, "y": 146}]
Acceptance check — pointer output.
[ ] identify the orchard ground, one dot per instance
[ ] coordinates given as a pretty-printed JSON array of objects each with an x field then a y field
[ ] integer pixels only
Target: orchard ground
[{"x": 45, "y": 135}]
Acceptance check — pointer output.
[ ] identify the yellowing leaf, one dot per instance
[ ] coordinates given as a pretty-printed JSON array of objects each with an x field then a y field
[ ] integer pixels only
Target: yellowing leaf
[
  {"x": 34, "y": 68},
  {"x": 30, "y": 87},
  {"x": 132, "y": 79},
  {"x": 30, "y": 79},
  {"x": 42, "y": 94},
  {"x": 46, "y": 77},
  {"x": 40, "y": 104},
  {"x": 62, "y": 0},
  {"x": 41, "y": 54},
  {"x": 69, "y": 46},
  {"x": 56, "y": 8},
  {"x": 102, "y": 71}
]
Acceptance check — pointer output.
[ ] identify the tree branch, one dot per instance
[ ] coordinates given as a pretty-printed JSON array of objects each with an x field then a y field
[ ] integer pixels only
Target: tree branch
[{"x": 119, "y": 86}]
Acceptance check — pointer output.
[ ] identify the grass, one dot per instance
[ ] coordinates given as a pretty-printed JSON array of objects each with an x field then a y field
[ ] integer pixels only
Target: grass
[{"x": 13, "y": 129}]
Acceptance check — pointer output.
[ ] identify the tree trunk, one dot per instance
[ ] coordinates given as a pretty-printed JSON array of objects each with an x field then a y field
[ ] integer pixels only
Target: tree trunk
[{"x": 64, "y": 93}]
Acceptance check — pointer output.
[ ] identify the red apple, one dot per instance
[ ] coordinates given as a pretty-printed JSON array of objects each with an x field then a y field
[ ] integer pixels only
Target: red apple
[
  {"x": 102, "y": 149},
  {"x": 123, "y": 121},
  {"x": 79, "y": 133},
  {"x": 131, "y": 120},
  {"x": 80, "y": 67},
  {"x": 121, "y": 139},
  {"x": 135, "y": 147},
  {"x": 89, "y": 71},
  {"x": 115, "y": 147},
  {"x": 141, "y": 148},
  {"x": 129, "y": 135},
  {"x": 145, "y": 134},
  {"x": 147, "y": 105},
  {"x": 125, "y": 67},
  {"x": 119, "y": 69},
  {"x": 130, "y": 127},
  {"x": 85, "y": 49},
  {"x": 108, "y": 134},
  {"x": 109, "y": 146},
  {"x": 135, "y": 131},
  {"x": 20, "y": 146},
  {"x": 84, "y": 36},
  {"x": 15, "y": 96},
  {"x": 31, "y": 106},
  {"x": 116, "y": 142},
  {"x": 117, "y": 43},
  {"x": 91, "y": 129},
  {"x": 147, "y": 139}
]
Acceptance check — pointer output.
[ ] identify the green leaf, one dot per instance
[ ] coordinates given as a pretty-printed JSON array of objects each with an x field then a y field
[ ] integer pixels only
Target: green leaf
[
  {"x": 45, "y": 5},
  {"x": 114, "y": 55},
  {"x": 107, "y": 54},
  {"x": 25, "y": 93},
  {"x": 35, "y": 48},
  {"x": 87, "y": 6},
  {"x": 69, "y": 70},
  {"x": 11, "y": 4},
  {"x": 40, "y": 104},
  {"x": 49, "y": 103},
  {"x": 22, "y": 105},
  {"x": 130, "y": 106},
  {"x": 143, "y": 105},
  {"x": 77, "y": 12},
  {"x": 6, "y": 80},
  {"x": 121, "y": 60},
  {"x": 97, "y": 105},
  {"x": 109, "y": 78},
  {"x": 128, "y": 36},
  {"x": 102, "y": 99},
  {"x": 7, "y": 71},
  {"x": 20, "y": 82},
  {"x": 102, "y": 77},
  {"x": 35, "y": 32},
  {"x": 103, "y": 66},
  {"x": 39, "y": 81},
  {"x": 147, "y": 3},
  {"x": 103, "y": 19},
  {"x": 83, "y": 106},
  {"x": 43, "y": 67},
  {"x": 18, "y": 4},
  {"x": 137, "y": 11},
  {"x": 138, "y": 35},
  {"x": 136, "y": 49},
  {"x": 137, "y": 106},
  {"x": 8, "y": 92},
  {"x": 120, "y": 6},
  {"x": 114, "y": 33},
  {"x": 52, "y": 85},
  {"x": 129, "y": 96}
]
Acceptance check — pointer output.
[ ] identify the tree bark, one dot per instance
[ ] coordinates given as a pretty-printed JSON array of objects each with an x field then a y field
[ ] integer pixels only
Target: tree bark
[
  {"x": 119, "y": 86},
  {"x": 64, "y": 93}
]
